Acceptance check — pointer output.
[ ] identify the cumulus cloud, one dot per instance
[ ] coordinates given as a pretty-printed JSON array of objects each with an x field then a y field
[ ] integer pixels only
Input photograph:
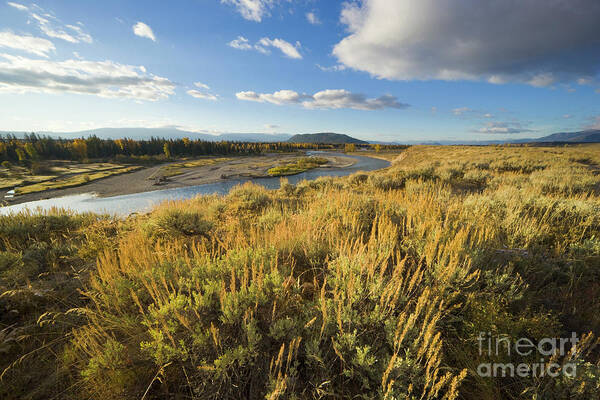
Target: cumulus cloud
[
  {"x": 30, "y": 44},
  {"x": 241, "y": 43},
  {"x": 325, "y": 99},
  {"x": 312, "y": 18},
  {"x": 497, "y": 41},
  {"x": 288, "y": 49},
  {"x": 252, "y": 10},
  {"x": 203, "y": 92},
  {"x": 52, "y": 27},
  {"x": 280, "y": 97},
  {"x": 142, "y": 30},
  {"x": 262, "y": 46},
  {"x": 99, "y": 78},
  {"x": 503, "y": 128}
]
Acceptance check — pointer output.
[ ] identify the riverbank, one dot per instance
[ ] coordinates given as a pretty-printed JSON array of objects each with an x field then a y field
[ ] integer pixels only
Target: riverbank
[{"x": 146, "y": 179}]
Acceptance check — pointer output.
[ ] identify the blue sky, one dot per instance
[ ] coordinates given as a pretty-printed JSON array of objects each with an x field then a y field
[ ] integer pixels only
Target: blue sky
[{"x": 374, "y": 69}]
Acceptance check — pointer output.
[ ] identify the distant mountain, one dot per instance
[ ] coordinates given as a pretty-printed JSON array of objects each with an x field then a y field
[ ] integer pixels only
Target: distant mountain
[
  {"x": 325, "y": 137},
  {"x": 254, "y": 137},
  {"x": 589, "y": 136}
]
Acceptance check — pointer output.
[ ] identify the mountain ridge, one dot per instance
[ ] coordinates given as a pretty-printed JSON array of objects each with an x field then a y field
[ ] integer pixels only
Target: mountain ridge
[{"x": 325, "y": 137}]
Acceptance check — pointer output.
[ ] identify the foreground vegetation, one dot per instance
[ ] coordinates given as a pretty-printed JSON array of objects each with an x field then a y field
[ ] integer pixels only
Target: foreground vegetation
[{"x": 371, "y": 286}]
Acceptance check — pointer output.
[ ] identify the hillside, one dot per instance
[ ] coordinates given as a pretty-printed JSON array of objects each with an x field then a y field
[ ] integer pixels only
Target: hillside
[
  {"x": 325, "y": 137},
  {"x": 588, "y": 136}
]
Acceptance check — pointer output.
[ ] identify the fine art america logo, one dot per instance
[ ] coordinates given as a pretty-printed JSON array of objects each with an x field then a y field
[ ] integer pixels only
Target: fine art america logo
[{"x": 546, "y": 352}]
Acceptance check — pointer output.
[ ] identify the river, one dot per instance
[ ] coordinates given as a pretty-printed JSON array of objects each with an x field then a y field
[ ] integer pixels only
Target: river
[{"x": 141, "y": 202}]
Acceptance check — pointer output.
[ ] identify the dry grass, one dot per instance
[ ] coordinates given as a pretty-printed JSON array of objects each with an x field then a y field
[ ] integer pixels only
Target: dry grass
[{"x": 371, "y": 286}]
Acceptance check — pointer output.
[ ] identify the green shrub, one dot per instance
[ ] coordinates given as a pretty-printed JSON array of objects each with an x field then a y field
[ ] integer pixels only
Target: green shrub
[
  {"x": 248, "y": 197},
  {"x": 170, "y": 223}
]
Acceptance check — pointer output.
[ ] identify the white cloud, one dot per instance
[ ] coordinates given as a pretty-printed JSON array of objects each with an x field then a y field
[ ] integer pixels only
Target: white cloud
[
  {"x": 461, "y": 110},
  {"x": 333, "y": 68},
  {"x": 325, "y": 99},
  {"x": 252, "y": 10},
  {"x": 280, "y": 97},
  {"x": 99, "y": 78},
  {"x": 271, "y": 127},
  {"x": 288, "y": 49},
  {"x": 142, "y": 30},
  {"x": 503, "y": 128},
  {"x": 542, "y": 80},
  {"x": 52, "y": 26},
  {"x": 497, "y": 41},
  {"x": 17, "y": 6},
  {"x": 30, "y": 44},
  {"x": 467, "y": 112},
  {"x": 201, "y": 95},
  {"x": 203, "y": 92},
  {"x": 584, "y": 81},
  {"x": 201, "y": 85},
  {"x": 241, "y": 43},
  {"x": 84, "y": 37},
  {"x": 312, "y": 18}
]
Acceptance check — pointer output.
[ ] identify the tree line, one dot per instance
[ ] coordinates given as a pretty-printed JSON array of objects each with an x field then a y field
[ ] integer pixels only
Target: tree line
[{"x": 34, "y": 147}]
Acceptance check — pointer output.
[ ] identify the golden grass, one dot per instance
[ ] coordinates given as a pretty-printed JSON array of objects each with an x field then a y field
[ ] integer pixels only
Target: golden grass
[{"x": 374, "y": 285}]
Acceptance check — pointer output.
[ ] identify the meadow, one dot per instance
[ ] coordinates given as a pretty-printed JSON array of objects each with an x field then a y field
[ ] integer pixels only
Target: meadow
[{"x": 375, "y": 285}]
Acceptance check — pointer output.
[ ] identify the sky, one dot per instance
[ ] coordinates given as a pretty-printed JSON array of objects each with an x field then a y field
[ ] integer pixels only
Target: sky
[{"x": 389, "y": 70}]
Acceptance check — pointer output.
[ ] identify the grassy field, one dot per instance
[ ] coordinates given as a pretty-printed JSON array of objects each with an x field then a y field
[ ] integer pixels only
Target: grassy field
[
  {"x": 375, "y": 285},
  {"x": 57, "y": 175},
  {"x": 302, "y": 165},
  {"x": 75, "y": 180}
]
